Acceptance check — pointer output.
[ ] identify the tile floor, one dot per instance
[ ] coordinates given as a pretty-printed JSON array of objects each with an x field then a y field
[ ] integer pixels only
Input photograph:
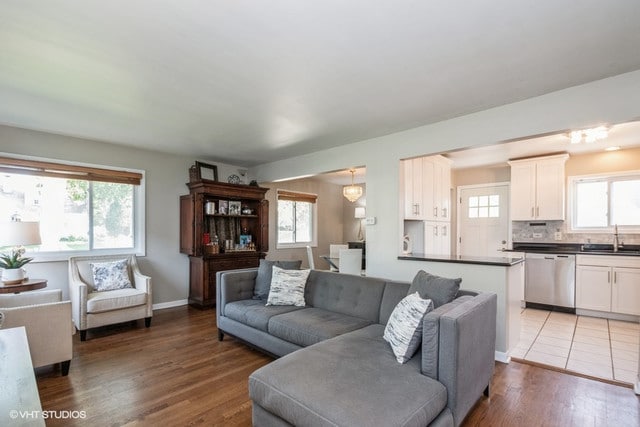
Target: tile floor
[{"x": 591, "y": 346}]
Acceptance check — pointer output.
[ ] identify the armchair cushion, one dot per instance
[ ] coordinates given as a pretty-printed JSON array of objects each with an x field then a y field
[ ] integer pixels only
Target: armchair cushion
[
  {"x": 109, "y": 276},
  {"x": 98, "y": 302}
]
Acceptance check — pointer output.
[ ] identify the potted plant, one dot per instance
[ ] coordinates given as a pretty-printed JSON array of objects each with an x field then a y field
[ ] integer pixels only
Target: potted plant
[{"x": 13, "y": 272}]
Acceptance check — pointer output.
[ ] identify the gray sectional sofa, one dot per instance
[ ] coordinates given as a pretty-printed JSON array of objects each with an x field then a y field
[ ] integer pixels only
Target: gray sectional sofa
[{"x": 335, "y": 368}]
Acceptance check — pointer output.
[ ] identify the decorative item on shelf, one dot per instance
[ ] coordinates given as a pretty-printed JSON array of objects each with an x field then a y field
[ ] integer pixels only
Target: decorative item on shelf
[
  {"x": 210, "y": 208},
  {"x": 233, "y": 179},
  {"x": 352, "y": 192},
  {"x": 246, "y": 210},
  {"x": 235, "y": 207},
  {"x": 253, "y": 183},
  {"x": 17, "y": 234},
  {"x": 193, "y": 173},
  {"x": 243, "y": 175},
  {"x": 223, "y": 207}
]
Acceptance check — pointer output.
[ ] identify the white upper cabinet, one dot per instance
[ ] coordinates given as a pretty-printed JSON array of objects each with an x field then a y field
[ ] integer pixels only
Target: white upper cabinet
[
  {"x": 538, "y": 188},
  {"x": 426, "y": 188}
]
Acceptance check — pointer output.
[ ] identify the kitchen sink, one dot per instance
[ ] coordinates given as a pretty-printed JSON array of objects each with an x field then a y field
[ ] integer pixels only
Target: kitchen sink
[{"x": 608, "y": 249}]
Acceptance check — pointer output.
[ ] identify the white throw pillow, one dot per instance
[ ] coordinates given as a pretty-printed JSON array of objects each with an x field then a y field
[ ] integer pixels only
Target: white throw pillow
[
  {"x": 404, "y": 328},
  {"x": 109, "y": 276},
  {"x": 287, "y": 287}
]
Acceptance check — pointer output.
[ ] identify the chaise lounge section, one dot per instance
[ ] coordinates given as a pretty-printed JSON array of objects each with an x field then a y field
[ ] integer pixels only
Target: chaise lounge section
[{"x": 334, "y": 366}]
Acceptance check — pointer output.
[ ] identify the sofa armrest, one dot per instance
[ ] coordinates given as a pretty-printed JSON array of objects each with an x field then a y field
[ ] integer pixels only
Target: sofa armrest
[
  {"x": 466, "y": 359},
  {"x": 234, "y": 285}
]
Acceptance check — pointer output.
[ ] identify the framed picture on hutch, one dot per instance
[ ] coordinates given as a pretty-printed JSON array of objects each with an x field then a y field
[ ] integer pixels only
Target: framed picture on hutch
[{"x": 206, "y": 171}]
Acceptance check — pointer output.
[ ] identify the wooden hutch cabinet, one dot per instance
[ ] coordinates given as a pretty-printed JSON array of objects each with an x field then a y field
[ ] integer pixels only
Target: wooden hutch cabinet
[{"x": 236, "y": 217}]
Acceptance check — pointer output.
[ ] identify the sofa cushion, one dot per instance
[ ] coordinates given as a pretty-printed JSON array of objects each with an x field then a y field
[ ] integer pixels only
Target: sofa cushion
[
  {"x": 97, "y": 302},
  {"x": 287, "y": 287},
  {"x": 349, "y": 380},
  {"x": 254, "y": 313},
  {"x": 110, "y": 276},
  {"x": 345, "y": 293},
  {"x": 312, "y": 325},
  {"x": 439, "y": 289},
  {"x": 265, "y": 270},
  {"x": 404, "y": 330}
]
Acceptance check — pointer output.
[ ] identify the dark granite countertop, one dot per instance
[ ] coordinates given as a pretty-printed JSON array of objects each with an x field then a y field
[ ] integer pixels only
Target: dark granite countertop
[
  {"x": 504, "y": 261},
  {"x": 575, "y": 248}
]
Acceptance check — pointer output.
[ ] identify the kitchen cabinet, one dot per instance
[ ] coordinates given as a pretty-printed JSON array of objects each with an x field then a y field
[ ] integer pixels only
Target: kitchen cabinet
[
  {"x": 426, "y": 188},
  {"x": 426, "y": 196},
  {"x": 538, "y": 188},
  {"x": 234, "y": 215},
  {"x": 608, "y": 284},
  {"x": 437, "y": 239}
]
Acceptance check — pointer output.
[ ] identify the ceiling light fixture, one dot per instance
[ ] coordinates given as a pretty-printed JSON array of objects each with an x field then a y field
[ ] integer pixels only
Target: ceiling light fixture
[
  {"x": 589, "y": 135},
  {"x": 352, "y": 192}
]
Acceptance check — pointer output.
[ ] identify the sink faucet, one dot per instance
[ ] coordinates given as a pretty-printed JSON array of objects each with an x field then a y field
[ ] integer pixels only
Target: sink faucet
[{"x": 616, "y": 244}]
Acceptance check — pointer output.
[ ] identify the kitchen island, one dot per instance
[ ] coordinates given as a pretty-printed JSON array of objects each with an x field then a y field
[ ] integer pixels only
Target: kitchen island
[{"x": 502, "y": 275}]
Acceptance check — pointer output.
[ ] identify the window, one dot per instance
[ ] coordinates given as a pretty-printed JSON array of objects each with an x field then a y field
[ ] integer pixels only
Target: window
[
  {"x": 296, "y": 219},
  {"x": 484, "y": 206},
  {"x": 599, "y": 203},
  {"x": 80, "y": 209}
]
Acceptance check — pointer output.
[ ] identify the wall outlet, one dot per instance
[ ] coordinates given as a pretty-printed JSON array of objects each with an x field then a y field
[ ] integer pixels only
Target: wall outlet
[
  {"x": 557, "y": 235},
  {"x": 537, "y": 235},
  {"x": 370, "y": 220}
]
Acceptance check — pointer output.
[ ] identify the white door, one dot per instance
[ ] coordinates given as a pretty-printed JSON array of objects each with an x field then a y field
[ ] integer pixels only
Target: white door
[{"x": 483, "y": 219}]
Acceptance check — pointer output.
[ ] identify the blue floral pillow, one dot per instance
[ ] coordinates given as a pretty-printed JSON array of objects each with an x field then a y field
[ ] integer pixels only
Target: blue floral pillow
[{"x": 109, "y": 276}]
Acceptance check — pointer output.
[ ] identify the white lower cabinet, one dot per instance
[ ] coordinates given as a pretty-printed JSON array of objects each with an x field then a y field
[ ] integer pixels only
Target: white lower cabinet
[
  {"x": 608, "y": 283},
  {"x": 437, "y": 238}
]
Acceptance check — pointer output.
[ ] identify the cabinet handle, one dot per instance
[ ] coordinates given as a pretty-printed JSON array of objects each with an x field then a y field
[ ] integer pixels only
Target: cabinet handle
[
  {"x": 444, "y": 212},
  {"x": 532, "y": 212},
  {"x": 608, "y": 277},
  {"x": 444, "y": 231},
  {"x": 537, "y": 211},
  {"x": 435, "y": 212},
  {"x": 417, "y": 209},
  {"x": 615, "y": 277}
]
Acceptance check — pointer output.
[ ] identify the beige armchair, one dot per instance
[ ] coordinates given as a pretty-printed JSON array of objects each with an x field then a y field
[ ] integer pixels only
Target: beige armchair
[
  {"x": 47, "y": 320},
  {"x": 91, "y": 308}
]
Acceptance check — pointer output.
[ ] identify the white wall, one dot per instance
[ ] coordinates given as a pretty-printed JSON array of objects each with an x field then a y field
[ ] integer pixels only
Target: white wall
[
  {"x": 165, "y": 178},
  {"x": 611, "y": 100}
]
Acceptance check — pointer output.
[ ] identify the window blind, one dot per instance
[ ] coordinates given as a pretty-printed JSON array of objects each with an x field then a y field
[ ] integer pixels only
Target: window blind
[
  {"x": 297, "y": 197},
  {"x": 59, "y": 170}
]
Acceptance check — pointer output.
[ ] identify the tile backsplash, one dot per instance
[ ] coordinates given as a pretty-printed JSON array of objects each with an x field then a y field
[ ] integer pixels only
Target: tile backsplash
[{"x": 544, "y": 232}]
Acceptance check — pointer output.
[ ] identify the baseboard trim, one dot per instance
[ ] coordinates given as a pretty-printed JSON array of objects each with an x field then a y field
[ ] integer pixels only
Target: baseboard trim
[
  {"x": 502, "y": 357},
  {"x": 170, "y": 304}
]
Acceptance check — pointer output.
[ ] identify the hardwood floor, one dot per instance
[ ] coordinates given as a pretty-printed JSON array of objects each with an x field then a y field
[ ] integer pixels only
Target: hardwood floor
[{"x": 176, "y": 373}]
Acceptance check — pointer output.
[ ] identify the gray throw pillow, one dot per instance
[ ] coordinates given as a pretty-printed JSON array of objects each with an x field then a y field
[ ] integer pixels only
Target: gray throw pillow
[
  {"x": 439, "y": 289},
  {"x": 404, "y": 329},
  {"x": 265, "y": 269}
]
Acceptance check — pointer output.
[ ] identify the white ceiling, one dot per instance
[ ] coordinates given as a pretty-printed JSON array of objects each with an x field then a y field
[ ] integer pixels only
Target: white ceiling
[
  {"x": 248, "y": 82},
  {"x": 623, "y": 135}
]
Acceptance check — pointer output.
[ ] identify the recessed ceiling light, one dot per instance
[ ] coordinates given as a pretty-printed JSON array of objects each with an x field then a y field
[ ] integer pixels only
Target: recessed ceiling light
[{"x": 614, "y": 148}]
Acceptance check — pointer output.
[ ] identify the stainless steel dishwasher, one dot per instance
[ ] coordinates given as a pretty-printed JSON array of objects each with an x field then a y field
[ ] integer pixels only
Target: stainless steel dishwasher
[{"x": 550, "y": 279}]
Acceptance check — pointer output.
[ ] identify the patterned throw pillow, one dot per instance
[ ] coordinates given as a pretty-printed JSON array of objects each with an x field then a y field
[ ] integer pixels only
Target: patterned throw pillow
[
  {"x": 287, "y": 287},
  {"x": 109, "y": 276},
  {"x": 404, "y": 329}
]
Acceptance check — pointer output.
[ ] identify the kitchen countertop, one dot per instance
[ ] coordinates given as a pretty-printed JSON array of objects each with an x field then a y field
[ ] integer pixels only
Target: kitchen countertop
[
  {"x": 504, "y": 261},
  {"x": 575, "y": 248}
]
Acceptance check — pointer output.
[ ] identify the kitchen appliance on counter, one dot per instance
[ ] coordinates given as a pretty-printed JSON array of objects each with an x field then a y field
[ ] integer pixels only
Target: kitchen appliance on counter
[{"x": 550, "y": 280}]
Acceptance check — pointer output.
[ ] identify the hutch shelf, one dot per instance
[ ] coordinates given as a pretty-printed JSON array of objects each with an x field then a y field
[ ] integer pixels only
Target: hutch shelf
[{"x": 222, "y": 227}]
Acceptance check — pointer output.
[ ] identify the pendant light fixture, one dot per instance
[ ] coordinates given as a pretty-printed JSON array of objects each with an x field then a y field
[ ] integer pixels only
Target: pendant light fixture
[{"x": 352, "y": 192}]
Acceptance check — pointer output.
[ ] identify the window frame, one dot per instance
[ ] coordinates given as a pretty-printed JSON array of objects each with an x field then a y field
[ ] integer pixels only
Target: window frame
[
  {"x": 291, "y": 195},
  {"x": 572, "y": 202},
  {"x": 139, "y": 204}
]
